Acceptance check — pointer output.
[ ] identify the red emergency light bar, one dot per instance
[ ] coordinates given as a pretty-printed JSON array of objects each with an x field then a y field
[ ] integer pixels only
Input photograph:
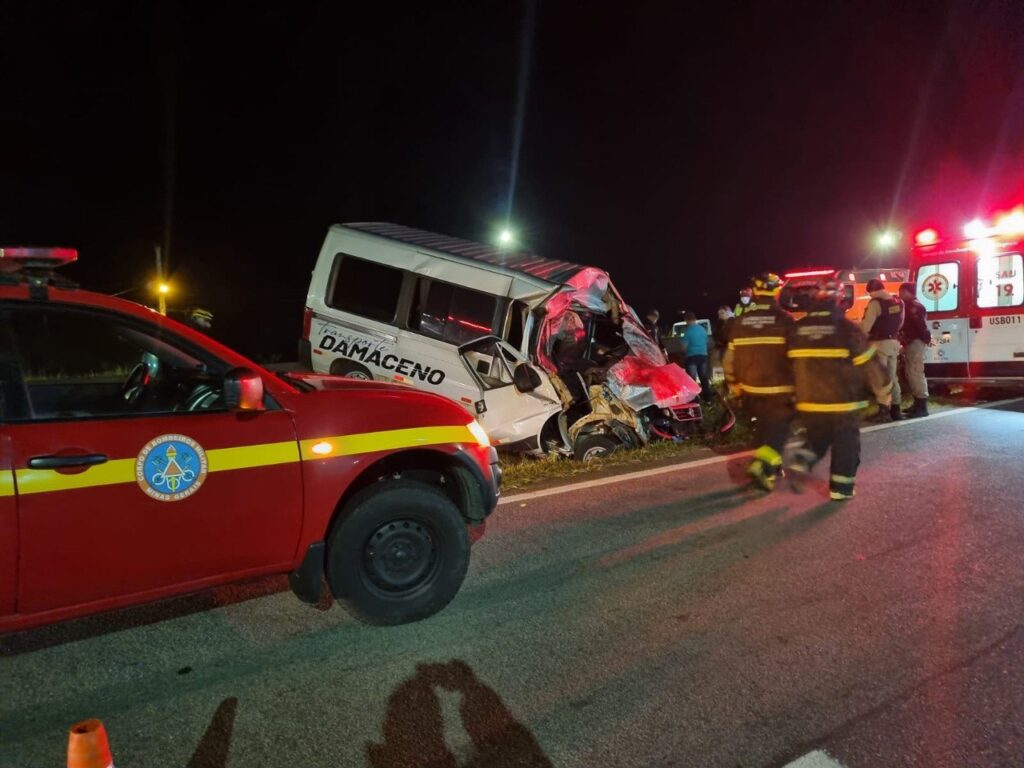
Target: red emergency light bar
[
  {"x": 926, "y": 237},
  {"x": 21, "y": 257},
  {"x": 809, "y": 273}
]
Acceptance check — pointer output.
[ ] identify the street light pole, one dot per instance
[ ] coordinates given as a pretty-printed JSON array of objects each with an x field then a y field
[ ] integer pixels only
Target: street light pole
[{"x": 161, "y": 286}]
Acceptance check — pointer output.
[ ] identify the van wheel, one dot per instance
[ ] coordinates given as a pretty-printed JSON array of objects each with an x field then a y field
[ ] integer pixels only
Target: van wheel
[
  {"x": 397, "y": 553},
  {"x": 350, "y": 370},
  {"x": 590, "y": 447}
]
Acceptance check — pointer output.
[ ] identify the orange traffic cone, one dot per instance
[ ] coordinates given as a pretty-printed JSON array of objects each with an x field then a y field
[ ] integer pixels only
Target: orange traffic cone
[{"x": 88, "y": 746}]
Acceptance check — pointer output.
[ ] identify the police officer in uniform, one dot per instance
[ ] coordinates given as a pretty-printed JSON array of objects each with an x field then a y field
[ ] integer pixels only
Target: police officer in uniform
[
  {"x": 833, "y": 371},
  {"x": 882, "y": 322},
  {"x": 915, "y": 337},
  {"x": 757, "y": 370}
]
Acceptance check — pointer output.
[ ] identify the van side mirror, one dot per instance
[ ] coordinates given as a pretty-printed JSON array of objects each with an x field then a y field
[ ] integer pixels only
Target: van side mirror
[
  {"x": 243, "y": 390},
  {"x": 525, "y": 378}
]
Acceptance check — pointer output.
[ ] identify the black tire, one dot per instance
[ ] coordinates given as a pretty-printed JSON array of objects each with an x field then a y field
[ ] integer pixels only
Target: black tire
[
  {"x": 397, "y": 553},
  {"x": 351, "y": 370},
  {"x": 590, "y": 447}
]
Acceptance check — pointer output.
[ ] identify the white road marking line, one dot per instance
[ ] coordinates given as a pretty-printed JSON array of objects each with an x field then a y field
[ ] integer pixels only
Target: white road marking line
[
  {"x": 815, "y": 759},
  {"x": 625, "y": 478}
]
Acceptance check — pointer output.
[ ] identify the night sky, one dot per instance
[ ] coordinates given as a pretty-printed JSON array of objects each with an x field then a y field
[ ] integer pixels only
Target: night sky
[{"x": 680, "y": 149}]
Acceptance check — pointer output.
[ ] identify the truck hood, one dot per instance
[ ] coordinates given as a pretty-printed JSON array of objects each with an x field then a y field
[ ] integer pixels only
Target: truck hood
[{"x": 328, "y": 383}]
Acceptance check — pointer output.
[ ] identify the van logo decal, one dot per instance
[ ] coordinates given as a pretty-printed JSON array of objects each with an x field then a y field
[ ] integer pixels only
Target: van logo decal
[{"x": 354, "y": 348}]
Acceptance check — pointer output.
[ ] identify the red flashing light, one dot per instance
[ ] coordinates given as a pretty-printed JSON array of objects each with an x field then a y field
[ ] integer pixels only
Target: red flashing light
[
  {"x": 809, "y": 273},
  {"x": 20, "y": 257},
  {"x": 926, "y": 237},
  {"x": 307, "y": 322},
  {"x": 470, "y": 324}
]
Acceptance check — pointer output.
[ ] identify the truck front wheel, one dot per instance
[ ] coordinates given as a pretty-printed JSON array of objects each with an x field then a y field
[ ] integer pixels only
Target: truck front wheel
[{"x": 397, "y": 553}]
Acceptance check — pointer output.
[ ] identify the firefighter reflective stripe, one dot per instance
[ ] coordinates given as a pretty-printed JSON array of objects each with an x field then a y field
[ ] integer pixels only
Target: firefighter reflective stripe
[
  {"x": 768, "y": 455},
  {"x": 370, "y": 442},
  {"x": 779, "y": 390},
  {"x": 753, "y": 341},
  {"x": 241, "y": 457},
  {"x": 831, "y": 407},
  {"x": 818, "y": 353},
  {"x": 843, "y": 479},
  {"x": 863, "y": 357}
]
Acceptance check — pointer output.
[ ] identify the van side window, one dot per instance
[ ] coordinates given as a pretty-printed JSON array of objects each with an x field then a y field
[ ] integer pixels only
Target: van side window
[
  {"x": 516, "y": 323},
  {"x": 938, "y": 286},
  {"x": 1000, "y": 281},
  {"x": 452, "y": 313},
  {"x": 365, "y": 288}
]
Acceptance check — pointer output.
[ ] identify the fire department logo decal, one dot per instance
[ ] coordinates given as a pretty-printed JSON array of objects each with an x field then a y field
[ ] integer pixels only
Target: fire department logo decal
[{"x": 171, "y": 467}]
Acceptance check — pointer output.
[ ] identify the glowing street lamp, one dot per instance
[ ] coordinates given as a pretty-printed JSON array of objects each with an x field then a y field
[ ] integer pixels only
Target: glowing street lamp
[
  {"x": 162, "y": 290},
  {"x": 887, "y": 239},
  {"x": 505, "y": 238}
]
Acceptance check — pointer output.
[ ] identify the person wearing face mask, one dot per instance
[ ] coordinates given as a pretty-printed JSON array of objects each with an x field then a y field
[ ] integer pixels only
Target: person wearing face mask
[{"x": 746, "y": 296}]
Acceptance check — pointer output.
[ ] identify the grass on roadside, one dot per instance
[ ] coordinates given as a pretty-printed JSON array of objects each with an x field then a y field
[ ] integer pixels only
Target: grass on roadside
[{"x": 521, "y": 472}]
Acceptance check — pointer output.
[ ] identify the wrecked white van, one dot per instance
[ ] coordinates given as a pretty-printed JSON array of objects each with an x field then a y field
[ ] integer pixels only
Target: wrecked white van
[{"x": 545, "y": 353}]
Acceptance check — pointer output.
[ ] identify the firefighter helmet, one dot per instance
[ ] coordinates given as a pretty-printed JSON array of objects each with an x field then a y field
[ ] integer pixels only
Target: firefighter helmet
[{"x": 766, "y": 282}]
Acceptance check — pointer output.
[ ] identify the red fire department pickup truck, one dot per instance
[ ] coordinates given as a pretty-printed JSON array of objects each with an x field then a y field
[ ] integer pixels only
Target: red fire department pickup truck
[{"x": 140, "y": 459}]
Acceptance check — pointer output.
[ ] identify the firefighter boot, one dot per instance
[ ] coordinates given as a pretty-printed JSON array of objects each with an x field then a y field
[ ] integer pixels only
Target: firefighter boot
[
  {"x": 918, "y": 409},
  {"x": 762, "y": 474},
  {"x": 765, "y": 467},
  {"x": 840, "y": 488},
  {"x": 895, "y": 414},
  {"x": 884, "y": 414},
  {"x": 799, "y": 468}
]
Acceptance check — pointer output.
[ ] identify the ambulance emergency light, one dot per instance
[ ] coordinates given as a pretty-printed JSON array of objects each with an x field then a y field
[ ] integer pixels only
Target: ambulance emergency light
[{"x": 17, "y": 258}]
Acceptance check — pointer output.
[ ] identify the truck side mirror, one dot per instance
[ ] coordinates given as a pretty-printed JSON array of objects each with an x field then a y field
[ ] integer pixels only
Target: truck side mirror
[
  {"x": 243, "y": 390},
  {"x": 525, "y": 378}
]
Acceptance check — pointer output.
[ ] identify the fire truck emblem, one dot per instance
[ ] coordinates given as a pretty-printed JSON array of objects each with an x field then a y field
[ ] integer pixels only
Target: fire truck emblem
[
  {"x": 936, "y": 287},
  {"x": 171, "y": 467}
]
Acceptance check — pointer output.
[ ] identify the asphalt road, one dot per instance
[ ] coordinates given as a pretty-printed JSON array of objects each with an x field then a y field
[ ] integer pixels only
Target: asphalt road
[{"x": 672, "y": 620}]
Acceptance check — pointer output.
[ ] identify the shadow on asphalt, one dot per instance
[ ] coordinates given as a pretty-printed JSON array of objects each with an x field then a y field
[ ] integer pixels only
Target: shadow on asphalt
[
  {"x": 132, "y": 617},
  {"x": 414, "y": 727},
  {"x": 215, "y": 746}
]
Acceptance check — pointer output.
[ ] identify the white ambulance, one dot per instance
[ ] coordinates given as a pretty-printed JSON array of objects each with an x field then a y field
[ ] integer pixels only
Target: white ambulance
[
  {"x": 973, "y": 290},
  {"x": 477, "y": 325}
]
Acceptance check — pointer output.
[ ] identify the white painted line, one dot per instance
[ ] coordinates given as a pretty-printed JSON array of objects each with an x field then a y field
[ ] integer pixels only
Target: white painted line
[
  {"x": 815, "y": 759},
  {"x": 640, "y": 474},
  {"x": 941, "y": 414}
]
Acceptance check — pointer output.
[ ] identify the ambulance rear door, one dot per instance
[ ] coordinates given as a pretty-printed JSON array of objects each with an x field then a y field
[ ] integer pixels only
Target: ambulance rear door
[
  {"x": 997, "y": 322},
  {"x": 941, "y": 289}
]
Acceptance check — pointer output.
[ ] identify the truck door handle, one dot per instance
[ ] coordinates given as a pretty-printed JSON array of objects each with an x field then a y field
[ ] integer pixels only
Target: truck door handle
[{"x": 64, "y": 462}]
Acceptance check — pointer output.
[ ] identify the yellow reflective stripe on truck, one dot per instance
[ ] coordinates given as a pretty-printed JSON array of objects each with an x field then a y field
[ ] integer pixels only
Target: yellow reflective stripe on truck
[
  {"x": 389, "y": 440},
  {"x": 118, "y": 471}
]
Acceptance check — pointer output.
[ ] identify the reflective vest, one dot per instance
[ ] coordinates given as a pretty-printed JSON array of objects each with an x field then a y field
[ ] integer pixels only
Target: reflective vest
[{"x": 889, "y": 321}]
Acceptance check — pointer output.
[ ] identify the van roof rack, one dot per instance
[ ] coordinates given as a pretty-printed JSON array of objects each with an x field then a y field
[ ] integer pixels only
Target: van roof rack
[{"x": 551, "y": 270}]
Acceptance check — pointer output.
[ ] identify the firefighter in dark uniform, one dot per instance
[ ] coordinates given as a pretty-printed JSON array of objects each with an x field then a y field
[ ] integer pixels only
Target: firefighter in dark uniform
[
  {"x": 757, "y": 370},
  {"x": 834, "y": 369}
]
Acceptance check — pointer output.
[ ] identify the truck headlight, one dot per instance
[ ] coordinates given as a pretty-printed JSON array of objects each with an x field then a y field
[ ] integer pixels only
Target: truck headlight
[{"x": 479, "y": 433}]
